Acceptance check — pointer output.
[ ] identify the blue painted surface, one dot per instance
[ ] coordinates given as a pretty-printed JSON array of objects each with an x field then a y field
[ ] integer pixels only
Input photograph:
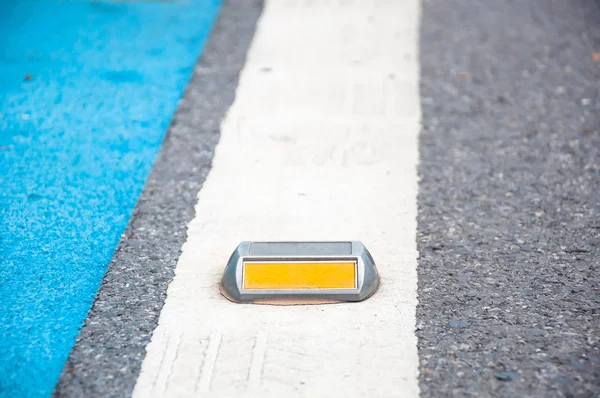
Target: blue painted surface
[{"x": 77, "y": 141}]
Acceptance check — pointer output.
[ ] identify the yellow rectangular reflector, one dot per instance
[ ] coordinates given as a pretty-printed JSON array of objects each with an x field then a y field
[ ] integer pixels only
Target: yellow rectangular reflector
[{"x": 300, "y": 275}]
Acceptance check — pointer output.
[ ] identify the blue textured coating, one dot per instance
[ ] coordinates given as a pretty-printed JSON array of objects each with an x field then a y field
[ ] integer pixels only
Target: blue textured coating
[{"x": 87, "y": 90}]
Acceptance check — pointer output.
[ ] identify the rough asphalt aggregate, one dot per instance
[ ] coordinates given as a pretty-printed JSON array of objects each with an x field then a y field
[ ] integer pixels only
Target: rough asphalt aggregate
[{"x": 509, "y": 204}]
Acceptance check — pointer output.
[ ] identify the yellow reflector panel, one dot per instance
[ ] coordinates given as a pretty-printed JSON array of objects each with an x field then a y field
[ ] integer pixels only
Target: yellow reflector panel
[{"x": 300, "y": 275}]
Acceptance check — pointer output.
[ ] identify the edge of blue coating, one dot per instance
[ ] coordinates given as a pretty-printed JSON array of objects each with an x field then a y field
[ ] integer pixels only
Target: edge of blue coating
[{"x": 87, "y": 91}]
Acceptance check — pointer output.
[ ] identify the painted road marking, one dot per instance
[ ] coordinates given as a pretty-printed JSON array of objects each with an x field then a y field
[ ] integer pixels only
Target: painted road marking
[
  {"x": 87, "y": 90},
  {"x": 324, "y": 132}
]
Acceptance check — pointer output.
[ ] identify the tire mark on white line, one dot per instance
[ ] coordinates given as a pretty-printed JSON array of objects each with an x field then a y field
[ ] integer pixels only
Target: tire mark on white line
[{"x": 320, "y": 144}]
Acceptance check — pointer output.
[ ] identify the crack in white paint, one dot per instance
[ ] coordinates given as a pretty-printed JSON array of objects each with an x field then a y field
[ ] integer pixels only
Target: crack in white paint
[
  {"x": 320, "y": 144},
  {"x": 256, "y": 367},
  {"x": 208, "y": 366}
]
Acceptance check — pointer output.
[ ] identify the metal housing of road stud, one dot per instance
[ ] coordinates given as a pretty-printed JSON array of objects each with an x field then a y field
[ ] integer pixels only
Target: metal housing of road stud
[{"x": 300, "y": 272}]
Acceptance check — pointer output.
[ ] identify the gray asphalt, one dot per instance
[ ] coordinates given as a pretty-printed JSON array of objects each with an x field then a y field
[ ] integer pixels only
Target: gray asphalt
[
  {"x": 509, "y": 203},
  {"x": 109, "y": 351}
]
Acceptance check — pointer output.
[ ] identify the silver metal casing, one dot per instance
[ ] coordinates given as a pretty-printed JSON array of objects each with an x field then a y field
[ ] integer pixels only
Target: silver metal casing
[{"x": 367, "y": 277}]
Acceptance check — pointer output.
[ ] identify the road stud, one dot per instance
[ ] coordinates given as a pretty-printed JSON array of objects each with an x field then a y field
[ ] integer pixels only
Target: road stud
[{"x": 299, "y": 273}]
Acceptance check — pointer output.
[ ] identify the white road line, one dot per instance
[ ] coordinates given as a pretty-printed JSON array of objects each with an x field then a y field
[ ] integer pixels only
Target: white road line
[{"x": 320, "y": 144}]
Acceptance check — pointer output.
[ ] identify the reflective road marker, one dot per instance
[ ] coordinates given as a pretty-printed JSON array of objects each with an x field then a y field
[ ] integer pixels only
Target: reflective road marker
[
  {"x": 299, "y": 271},
  {"x": 320, "y": 144},
  {"x": 299, "y": 275}
]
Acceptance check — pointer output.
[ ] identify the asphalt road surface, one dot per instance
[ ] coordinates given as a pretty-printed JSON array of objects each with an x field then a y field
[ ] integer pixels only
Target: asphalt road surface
[
  {"x": 509, "y": 202},
  {"x": 508, "y": 206}
]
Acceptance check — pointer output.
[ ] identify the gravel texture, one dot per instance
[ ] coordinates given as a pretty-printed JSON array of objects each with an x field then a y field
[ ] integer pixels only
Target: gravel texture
[
  {"x": 509, "y": 203},
  {"x": 109, "y": 351}
]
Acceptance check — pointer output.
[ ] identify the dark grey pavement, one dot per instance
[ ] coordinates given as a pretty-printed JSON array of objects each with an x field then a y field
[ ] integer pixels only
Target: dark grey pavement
[
  {"x": 109, "y": 351},
  {"x": 509, "y": 203}
]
